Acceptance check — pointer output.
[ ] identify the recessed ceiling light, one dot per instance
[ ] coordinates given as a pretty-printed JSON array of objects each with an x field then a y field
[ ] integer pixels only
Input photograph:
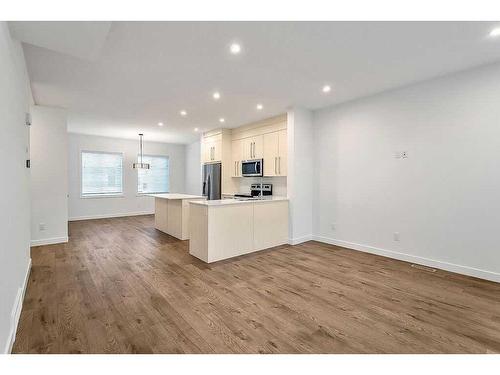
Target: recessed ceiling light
[
  {"x": 222, "y": 120},
  {"x": 326, "y": 89},
  {"x": 495, "y": 32},
  {"x": 160, "y": 124},
  {"x": 216, "y": 95},
  {"x": 196, "y": 129},
  {"x": 183, "y": 113},
  {"x": 259, "y": 106},
  {"x": 235, "y": 48}
]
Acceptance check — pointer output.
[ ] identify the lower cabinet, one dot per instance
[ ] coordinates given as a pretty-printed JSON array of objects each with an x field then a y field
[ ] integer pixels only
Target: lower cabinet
[
  {"x": 224, "y": 231},
  {"x": 270, "y": 225}
]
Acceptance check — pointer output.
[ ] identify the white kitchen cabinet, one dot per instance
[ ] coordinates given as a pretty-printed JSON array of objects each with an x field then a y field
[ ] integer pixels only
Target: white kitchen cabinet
[
  {"x": 236, "y": 157},
  {"x": 270, "y": 227},
  {"x": 212, "y": 149},
  {"x": 283, "y": 153},
  {"x": 271, "y": 152},
  {"x": 253, "y": 147},
  {"x": 275, "y": 152},
  {"x": 226, "y": 229}
]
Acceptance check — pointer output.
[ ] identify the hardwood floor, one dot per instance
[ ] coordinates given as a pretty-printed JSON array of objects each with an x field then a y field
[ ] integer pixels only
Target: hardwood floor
[{"x": 120, "y": 286}]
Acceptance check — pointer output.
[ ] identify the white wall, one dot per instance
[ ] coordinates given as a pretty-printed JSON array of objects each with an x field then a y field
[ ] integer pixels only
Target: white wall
[
  {"x": 443, "y": 200},
  {"x": 300, "y": 174},
  {"x": 131, "y": 203},
  {"x": 15, "y": 99},
  {"x": 193, "y": 168},
  {"x": 49, "y": 175}
]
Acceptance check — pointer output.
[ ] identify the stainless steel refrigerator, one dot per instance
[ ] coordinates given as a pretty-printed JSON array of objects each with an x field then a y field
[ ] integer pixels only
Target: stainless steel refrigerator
[{"x": 212, "y": 181}]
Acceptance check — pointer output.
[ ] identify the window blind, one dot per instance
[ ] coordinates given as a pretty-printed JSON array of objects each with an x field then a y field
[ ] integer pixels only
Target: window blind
[
  {"x": 102, "y": 173},
  {"x": 156, "y": 178}
]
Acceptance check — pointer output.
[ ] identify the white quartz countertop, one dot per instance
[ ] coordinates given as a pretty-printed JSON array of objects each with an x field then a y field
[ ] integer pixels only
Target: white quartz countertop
[
  {"x": 225, "y": 202},
  {"x": 174, "y": 196}
]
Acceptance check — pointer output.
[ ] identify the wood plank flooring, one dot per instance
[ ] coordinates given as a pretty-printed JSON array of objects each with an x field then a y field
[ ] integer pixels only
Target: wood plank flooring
[{"x": 120, "y": 286}]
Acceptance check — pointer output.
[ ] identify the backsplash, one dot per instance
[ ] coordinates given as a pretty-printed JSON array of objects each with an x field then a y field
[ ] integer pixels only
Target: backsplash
[{"x": 279, "y": 184}]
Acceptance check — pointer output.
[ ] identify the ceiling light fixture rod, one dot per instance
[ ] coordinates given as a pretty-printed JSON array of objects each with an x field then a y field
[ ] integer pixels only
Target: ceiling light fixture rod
[{"x": 141, "y": 165}]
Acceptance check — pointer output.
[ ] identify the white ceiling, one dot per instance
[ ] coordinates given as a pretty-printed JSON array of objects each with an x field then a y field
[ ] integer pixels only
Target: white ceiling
[{"x": 124, "y": 81}]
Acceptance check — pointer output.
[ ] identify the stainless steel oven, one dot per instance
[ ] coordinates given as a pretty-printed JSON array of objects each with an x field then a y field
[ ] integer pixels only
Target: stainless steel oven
[{"x": 252, "y": 168}]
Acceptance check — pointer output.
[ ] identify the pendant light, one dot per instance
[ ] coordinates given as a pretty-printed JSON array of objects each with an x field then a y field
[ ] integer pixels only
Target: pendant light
[{"x": 141, "y": 165}]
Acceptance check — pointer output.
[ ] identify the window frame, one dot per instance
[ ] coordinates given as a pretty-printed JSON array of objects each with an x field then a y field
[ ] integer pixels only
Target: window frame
[
  {"x": 138, "y": 193},
  {"x": 101, "y": 195}
]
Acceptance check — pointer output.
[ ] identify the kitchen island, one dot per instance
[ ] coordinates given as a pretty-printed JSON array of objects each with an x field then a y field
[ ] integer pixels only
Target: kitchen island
[
  {"x": 222, "y": 229},
  {"x": 172, "y": 213}
]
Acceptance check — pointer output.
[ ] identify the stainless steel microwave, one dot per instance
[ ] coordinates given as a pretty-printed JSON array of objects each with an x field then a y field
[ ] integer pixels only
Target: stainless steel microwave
[{"x": 252, "y": 168}]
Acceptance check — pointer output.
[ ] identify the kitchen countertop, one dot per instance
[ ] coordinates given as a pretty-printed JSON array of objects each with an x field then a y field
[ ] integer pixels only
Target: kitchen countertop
[
  {"x": 226, "y": 202},
  {"x": 174, "y": 196}
]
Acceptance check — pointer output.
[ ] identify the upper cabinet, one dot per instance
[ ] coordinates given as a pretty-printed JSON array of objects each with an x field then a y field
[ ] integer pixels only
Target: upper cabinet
[
  {"x": 283, "y": 153},
  {"x": 275, "y": 153},
  {"x": 266, "y": 139},
  {"x": 271, "y": 152},
  {"x": 236, "y": 157},
  {"x": 212, "y": 149},
  {"x": 252, "y": 147}
]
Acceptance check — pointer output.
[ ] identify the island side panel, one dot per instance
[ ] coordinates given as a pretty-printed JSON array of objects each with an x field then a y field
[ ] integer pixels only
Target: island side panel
[
  {"x": 161, "y": 208},
  {"x": 270, "y": 224},
  {"x": 198, "y": 231},
  {"x": 174, "y": 218},
  {"x": 185, "y": 218},
  {"x": 230, "y": 231}
]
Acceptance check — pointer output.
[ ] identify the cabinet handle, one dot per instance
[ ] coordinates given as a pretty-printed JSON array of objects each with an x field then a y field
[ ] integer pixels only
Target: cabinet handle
[
  {"x": 279, "y": 164},
  {"x": 275, "y": 165},
  {"x": 236, "y": 168}
]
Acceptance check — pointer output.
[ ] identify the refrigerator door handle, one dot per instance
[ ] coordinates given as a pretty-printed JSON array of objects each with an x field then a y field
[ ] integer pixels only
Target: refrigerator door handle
[{"x": 208, "y": 190}]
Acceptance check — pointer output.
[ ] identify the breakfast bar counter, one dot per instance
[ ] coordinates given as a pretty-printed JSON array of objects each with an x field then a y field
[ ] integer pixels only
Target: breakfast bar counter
[{"x": 222, "y": 229}]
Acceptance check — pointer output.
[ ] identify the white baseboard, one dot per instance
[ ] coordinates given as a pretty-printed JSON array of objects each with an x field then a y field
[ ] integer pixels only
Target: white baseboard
[
  {"x": 457, "y": 268},
  {"x": 109, "y": 216},
  {"x": 296, "y": 241},
  {"x": 16, "y": 311},
  {"x": 49, "y": 241}
]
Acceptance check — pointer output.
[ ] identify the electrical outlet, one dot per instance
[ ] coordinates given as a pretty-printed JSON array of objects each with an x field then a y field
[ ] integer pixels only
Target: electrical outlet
[
  {"x": 41, "y": 226},
  {"x": 395, "y": 236}
]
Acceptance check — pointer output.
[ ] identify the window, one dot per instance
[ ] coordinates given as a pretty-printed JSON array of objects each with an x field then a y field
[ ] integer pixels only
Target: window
[
  {"x": 156, "y": 178},
  {"x": 101, "y": 173}
]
